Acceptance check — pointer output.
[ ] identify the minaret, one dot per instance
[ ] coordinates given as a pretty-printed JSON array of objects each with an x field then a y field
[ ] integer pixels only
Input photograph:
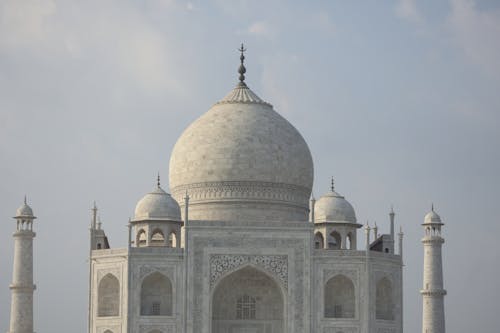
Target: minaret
[
  {"x": 433, "y": 292},
  {"x": 22, "y": 287}
]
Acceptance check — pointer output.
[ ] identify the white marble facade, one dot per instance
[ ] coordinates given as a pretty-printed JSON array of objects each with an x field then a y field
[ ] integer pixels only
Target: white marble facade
[{"x": 246, "y": 255}]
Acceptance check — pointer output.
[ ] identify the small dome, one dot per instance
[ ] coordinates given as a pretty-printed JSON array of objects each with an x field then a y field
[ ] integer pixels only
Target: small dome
[
  {"x": 332, "y": 207},
  {"x": 24, "y": 210},
  {"x": 432, "y": 217},
  {"x": 157, "y": 205}
]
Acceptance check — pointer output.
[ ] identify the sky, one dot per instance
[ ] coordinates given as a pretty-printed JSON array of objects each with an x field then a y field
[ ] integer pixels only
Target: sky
[{"x": 397, "y": 100}]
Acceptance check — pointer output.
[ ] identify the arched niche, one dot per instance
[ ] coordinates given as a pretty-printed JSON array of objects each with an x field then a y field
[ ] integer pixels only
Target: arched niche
[
  {"x": 108, "y": 296},
  {"x": 141, "y": 239},
  {"x": 340, "y": 301},
  {"x": 335, "y": 241},
  {"x": 157, "y": 238},
  {"x": 172, "y": 239},
  {"x": 384, "y": 305},
  {"x": 250, "y": 300},
  {"x": 319, "y": 241},
  {"x": 156, "y": 295}
]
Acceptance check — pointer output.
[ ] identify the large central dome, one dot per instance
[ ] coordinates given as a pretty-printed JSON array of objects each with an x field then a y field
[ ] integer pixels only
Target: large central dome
[{"x": 241, "y": 160}]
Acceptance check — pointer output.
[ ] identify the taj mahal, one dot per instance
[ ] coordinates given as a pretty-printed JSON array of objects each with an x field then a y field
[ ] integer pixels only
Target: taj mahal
[{"x": 237, "y": 244}]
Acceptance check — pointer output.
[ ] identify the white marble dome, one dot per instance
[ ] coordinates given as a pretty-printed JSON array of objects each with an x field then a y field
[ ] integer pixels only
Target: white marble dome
[
  {"x": 432, "y": 217},
  {"x": 24, "y": 210},
  {"x": 332, "y": 207},
  {"x": 157, "y": 205},
  {"x": 242, "y": 160}
]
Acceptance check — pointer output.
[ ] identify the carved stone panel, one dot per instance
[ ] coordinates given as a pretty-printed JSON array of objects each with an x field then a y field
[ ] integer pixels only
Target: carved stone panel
[{"x": 276, "y": 265}]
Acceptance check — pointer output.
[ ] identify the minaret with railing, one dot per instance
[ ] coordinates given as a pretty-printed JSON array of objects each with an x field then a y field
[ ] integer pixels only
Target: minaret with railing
[
  {"x": 22, "y": 287},
  {"x": 433, "y": 291}
]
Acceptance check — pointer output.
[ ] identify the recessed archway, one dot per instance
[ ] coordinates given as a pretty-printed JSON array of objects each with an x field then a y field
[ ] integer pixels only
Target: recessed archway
[{"x": 248, "y": 300}]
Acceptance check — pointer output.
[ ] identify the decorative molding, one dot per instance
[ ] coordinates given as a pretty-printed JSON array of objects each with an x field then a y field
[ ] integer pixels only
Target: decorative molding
[
  {"x": 145, "y": 270},
  {"x": 350, "y": 273},
  {"x": 116, "y": 271},
  {"x": 112, "y": 328},
  {"x": 340, "y": 330},
  {"x": 277, "y": 265},
  {"x": 386, "y": 330},
  {"x": 246, "y": 190},
  {"x": 161, "y": 328}
]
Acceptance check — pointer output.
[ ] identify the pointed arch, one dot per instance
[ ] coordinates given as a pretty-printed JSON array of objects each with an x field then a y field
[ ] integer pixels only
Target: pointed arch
[
  {"x": 334, "y": 241},
  {"x": 141, "y": 239},
  {"x": 319, "y": 241},
  {"x": 108, "y": 296},
  {"x": 172, "y": 239},
  {"x": 157, "y": 238},
  {"x": 156, "y": 295},
  {"x": 340, "y": 301},
  {"x": 384, "y": 300},
  {"x": 248, "y": 298}
]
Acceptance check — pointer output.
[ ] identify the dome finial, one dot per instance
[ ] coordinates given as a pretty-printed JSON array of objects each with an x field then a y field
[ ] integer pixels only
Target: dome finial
[
  {"x": 333, "y": 185},
  {"x": 242, "y": 70},
  {"x": 158, "y": 180}
]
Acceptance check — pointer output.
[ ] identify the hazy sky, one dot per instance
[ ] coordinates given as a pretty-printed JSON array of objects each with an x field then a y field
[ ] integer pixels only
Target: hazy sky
[{"x": 398, "y": 100}]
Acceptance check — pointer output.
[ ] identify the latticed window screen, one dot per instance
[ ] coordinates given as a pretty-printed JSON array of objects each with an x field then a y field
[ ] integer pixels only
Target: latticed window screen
[
  {"x": 245, "y": 307},
  {"x": 155, "y": 309}
]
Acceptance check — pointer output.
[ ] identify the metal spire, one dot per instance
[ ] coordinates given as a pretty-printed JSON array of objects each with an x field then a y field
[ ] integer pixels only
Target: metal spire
[{"x": 242, "y": 70}]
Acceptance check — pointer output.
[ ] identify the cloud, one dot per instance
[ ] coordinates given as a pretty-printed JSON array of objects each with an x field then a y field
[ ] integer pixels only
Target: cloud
[
  {"x": 25, "y": 22},
  {"x": 262, "y": 29},
  {"x": 476, "y": 33},
  {"x": 407, "y": 10},
  {"x": 126, "y": 45}
]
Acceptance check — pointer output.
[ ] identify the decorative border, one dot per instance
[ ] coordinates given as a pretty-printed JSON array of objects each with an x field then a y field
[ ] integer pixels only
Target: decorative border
[
  {"x": 277, "y": 265},
  {"x": 234, "y": 190}
]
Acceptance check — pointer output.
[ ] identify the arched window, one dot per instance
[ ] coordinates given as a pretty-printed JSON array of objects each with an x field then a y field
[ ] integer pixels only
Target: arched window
[
  {"x": 245, "y": 307},
  {"x": 248, "y": 300},
  {"x": 108, "y": 299},
  {"x": 172, "y": 239},
  {"x": 334, "y": 241},
  {"x": 156, "y": 295},
  {"x": 141, "y": 238},
  {"x": 319, "y": 242},
  {"x": 383, "y": 300},
  {"x": 157, "y": 239},
  {"x": 339, "y": 298},
  {"x": 350, "y": 241}
]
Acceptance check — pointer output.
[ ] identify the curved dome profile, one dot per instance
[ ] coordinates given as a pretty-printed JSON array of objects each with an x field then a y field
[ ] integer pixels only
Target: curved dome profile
[
  {"x": 241, "y": 159},
  {"x": 24, "y": 210},
  {"x": 432, "y": 217},
  {"x": 332, "y": 207},
  {"x": 157, "y": 205}
]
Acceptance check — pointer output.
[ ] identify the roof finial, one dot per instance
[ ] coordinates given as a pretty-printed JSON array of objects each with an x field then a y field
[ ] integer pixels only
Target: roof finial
[
  {"x": 158, "y": 180},
  {"x": 242, "y": 70},
  {"x": 333, "y": 185}
]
